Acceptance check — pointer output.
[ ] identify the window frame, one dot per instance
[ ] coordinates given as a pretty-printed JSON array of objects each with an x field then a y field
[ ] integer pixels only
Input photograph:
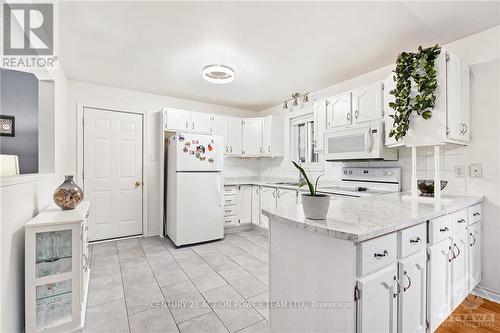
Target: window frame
[{"x": 293, "y": 140}]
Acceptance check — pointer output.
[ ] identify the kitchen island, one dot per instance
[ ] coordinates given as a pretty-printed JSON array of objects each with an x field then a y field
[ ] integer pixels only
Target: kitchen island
[{"x": 376, "y": 264}]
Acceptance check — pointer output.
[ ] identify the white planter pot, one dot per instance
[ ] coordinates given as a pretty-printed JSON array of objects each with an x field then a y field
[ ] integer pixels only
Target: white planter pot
[{"x": 315, "y": 208}]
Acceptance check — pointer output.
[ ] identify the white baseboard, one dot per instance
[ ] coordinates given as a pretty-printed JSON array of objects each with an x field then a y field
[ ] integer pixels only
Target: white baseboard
[
  {"x": 237, "y": 228},
  {"x": 487, "y": 293}
]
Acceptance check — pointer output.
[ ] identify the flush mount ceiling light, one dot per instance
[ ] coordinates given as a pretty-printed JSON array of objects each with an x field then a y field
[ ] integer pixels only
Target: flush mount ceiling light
[{"x": 218, "y": 74}]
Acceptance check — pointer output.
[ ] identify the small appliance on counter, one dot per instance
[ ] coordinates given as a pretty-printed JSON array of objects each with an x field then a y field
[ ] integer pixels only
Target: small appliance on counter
[{"x": 194, "y": 209}]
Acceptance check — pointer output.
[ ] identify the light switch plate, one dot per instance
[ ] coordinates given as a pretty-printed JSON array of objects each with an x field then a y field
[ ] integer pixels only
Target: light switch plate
[
  {"x": 476, "y": 170},
  {"x": 459, "y": 171}
]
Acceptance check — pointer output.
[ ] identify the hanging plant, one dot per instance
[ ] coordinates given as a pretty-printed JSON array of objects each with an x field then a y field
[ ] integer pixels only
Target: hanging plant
[{"x": 415, "y": 77}]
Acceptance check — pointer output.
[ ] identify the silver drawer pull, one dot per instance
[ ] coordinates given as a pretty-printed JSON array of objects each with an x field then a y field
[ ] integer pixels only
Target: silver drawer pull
[
  {"x": 444, "y": 229},
  {"x": 461, "y": 221},
  {"x": 473, "y": 238},
  {"x": 416, "y": 240},
  {"x": 384, "y": 254},
  {"x": 398, "y": 287},
  {"x": 409, "y": 281},
  {"x": 476, "y": 214}
]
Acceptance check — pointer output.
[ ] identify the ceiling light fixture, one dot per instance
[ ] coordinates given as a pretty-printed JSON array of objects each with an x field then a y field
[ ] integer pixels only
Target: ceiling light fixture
[
  {"x": 295, "y": 100},
  {"x": 219, "y": 74}
]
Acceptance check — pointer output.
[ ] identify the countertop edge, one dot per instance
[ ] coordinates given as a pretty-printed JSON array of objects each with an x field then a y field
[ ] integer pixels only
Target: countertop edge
[{"x": 377, "y": 233}]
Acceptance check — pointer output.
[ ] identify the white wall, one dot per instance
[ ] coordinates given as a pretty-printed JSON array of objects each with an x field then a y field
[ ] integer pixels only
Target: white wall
[
  {"x": 19, "y": 203},
  {"x": 91, "y": 95},
  {"x": 482, "y": 52}
]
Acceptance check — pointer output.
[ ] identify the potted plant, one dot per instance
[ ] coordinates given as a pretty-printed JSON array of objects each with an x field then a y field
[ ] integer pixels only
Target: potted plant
[{"x": 315, "y": 205}]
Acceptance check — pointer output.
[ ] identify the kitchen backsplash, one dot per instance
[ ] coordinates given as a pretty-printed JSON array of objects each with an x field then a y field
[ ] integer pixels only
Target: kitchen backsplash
[{"x": 450, "y": 156}]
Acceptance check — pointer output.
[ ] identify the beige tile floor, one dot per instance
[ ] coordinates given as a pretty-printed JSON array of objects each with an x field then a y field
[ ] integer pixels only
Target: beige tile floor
[{"x": 144, "y": 285}]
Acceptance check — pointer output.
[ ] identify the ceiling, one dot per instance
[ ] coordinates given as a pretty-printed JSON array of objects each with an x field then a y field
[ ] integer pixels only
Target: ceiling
[{"x": 275, "y": 48}]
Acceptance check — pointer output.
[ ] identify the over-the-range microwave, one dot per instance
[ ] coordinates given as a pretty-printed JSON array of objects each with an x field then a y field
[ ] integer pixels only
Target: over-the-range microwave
[{"x": 364, "y": 141}]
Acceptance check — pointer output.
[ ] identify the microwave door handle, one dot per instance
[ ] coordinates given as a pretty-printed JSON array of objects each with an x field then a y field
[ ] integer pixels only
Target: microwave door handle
[{"x": 368, "y": 140}]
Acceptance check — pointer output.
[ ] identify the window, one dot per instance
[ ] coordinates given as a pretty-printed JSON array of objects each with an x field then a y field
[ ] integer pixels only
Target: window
[{"x": 302, "y": 148}]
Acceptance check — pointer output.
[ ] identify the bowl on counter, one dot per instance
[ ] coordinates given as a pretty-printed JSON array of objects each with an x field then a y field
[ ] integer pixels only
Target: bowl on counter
[{"x": 426, "y": 187}]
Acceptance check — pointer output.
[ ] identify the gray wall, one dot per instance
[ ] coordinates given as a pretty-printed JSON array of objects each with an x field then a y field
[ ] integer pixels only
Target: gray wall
[{"x": 19, "y": 98}]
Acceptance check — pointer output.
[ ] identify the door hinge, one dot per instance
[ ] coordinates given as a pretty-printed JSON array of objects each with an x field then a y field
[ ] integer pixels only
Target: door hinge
[
  {"x": 83, "y": 121},
  {"x": 427, "y": 325},
  {"x": 428, "y": 257},
  {"x": 383, "y": 86},
  {"x": 356, "y": 293},
  {"x": 447, "y": 56},
  {"x": 83, "y": 174}
]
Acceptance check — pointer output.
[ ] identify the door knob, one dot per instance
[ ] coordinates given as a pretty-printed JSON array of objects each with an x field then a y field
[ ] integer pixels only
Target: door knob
[{"x": 137, "y": 184}]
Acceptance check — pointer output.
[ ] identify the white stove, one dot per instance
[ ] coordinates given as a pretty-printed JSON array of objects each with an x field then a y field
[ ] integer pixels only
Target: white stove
[{"x": 363, "y": 182}]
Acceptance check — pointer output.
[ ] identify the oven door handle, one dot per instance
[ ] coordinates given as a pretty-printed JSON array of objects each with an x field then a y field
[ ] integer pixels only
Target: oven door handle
[{"x": 368, "y": 140}]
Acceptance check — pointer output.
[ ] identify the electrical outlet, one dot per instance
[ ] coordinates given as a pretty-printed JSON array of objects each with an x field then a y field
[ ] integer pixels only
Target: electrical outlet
[
  {"x": 459, "y": 171},
  {"x": 476, "y": 170}
]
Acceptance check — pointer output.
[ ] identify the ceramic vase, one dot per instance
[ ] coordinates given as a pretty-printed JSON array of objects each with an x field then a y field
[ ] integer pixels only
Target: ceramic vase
[
  {"x": 68, "y": 195},
  {"x": 315, "y": 207}
]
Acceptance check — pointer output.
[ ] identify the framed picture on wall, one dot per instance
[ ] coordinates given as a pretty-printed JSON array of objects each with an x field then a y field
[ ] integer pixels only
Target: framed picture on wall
[{"x": 7, "y": 125}]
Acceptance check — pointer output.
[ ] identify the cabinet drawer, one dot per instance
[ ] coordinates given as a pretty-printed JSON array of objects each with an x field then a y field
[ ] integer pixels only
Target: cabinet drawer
[
  {"x": 474, "y": 213},
  {"x": 412, "y": 240},
  {"x": 229, "y": 211},
  {"x": 439, "y": 229},
  {"x": 377, "y": 253},
  {"x": 459, "y": 220},
  {"x": 229, "y": 200},
  {"x": 230, "y": 220},
  {"x": 230, "y": 190}
]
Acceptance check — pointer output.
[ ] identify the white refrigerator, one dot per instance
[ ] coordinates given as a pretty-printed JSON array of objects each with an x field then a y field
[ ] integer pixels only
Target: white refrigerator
[{"x": 194, "y": 188}]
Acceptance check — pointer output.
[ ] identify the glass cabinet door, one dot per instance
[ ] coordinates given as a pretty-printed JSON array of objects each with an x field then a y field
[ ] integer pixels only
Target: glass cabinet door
[
  {"x": 53, "y": 304},
  {"x": 53, "y": 252}
]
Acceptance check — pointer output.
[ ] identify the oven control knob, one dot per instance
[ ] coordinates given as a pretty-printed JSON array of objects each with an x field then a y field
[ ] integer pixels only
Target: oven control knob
[
  {"x": 350, "y": 172},
  {"x": 345, "y": 172},
  {"x": 390, "y": 173},
  {"x": 385, "y": 173}
]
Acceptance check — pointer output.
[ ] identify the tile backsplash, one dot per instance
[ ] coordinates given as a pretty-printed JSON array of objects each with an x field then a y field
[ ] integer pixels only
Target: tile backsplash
[{"x": 450, "y": 156}]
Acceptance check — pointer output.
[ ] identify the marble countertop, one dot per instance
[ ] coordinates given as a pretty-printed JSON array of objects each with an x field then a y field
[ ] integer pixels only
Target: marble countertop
[
  {"x": 360, "y": 219},
  {"x": 270, "y": 182}
]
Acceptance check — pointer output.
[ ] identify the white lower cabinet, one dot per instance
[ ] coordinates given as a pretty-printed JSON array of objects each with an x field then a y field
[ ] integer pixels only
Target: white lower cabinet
[
  {"x": 267, "y": 200},
  {"x": 439, "y": 283},
  {"x": 377, "y": 305},
  {"x": 256, "y": 205},
  {"x": 285, "y": 197},
  {"x": 244, "y": 204},
  {"x": 412, "y": 296},
  {"x": 459, "y": 267},
  {"x": 474, "y": 255}
]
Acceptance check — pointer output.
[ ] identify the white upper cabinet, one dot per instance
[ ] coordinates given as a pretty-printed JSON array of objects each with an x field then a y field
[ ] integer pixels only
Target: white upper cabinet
[
  {"x": 177, "y": 120},
  {"x": 201, "y": 122},
  {"x": 449, "y": 122},
  {"x": 338, "y": 112},
  {"x": 233, "y": 137},
  {"x": 367, "y": 103},
  {"x": 458, "y": 92},
  {"x": 273, "y": 131},
  {"x": 251, "y": 136},
  {"x": 219, "y": 127},
  {"x": 320, "y": 124}
]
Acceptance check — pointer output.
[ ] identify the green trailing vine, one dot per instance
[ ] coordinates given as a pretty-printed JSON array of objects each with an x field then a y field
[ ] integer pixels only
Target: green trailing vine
[{"x": 415, "y": 77}]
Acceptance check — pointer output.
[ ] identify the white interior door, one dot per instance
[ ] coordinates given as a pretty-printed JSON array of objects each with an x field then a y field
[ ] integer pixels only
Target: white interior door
[{"x": 112, "y": 164}]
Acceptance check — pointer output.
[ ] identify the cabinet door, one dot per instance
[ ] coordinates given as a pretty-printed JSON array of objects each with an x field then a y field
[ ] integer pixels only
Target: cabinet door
[
  {"x": 219, "y": 127},
  {"x": 178, "y": 120},
  {"x": 459, "y": 266},
  {"x": 339, "y": 110},
  {"x": 267, "y": 200},
  {"x": 457, "y": 90},
  {"x": 285, "y": 197},
  {"x": 474, "y": 255},
  {"x": 378, "y": 299},
  {"x": 267, "y": 124},
  {"x": 438, "y": 283},
  {"x": 201, "y": 122},
  {"x": 412, "y": 299},
  {"x": 252, "y": 137},
  {"x": 389, "y": 85},
  {"x": 234, "y": 136},
  {"x": 245, "y": 204},
  {"x": 256, "y": 205},
  {"x": 320, "y": 123},
  {"x": 367, "y": 103}
]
